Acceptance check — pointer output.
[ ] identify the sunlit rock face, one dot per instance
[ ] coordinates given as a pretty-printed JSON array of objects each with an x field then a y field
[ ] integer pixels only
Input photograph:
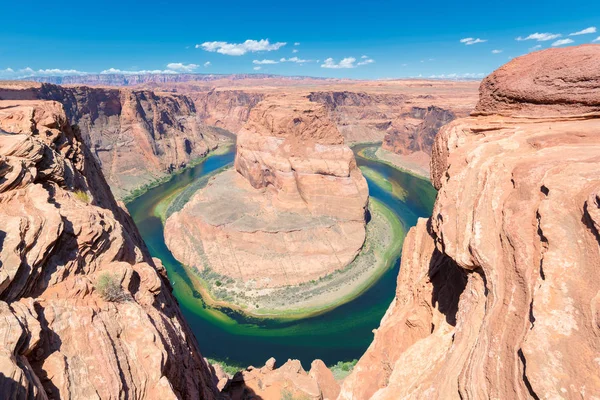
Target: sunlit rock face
[
  {"x": 496, "y": 295},
  {"x": 136, "y": 136},
  {"x": 292, "y": 210},
  {"x": 61, "y": 231}
]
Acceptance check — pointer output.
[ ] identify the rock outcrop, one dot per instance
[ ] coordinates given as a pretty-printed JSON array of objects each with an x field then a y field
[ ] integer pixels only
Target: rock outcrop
[
  {"x": 136, "y": 136},
  {"x": 296, "y": 197},
  {"x": 496, "y": 293},
  {"x": 61, "y": 235},
  {"x": 288, "y": 381}
]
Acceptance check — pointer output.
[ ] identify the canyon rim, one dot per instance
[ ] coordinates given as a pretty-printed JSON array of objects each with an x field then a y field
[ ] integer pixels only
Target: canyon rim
[{"x": 324, "y": 201}]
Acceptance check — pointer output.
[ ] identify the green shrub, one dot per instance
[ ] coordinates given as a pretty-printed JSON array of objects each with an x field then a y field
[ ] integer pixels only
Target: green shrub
[
  {"x": 342, "y": 369},
  {"x": 109, "y": 288},
  {"x": 230, "y": 369},
  {"x": 82, "y": 196}
]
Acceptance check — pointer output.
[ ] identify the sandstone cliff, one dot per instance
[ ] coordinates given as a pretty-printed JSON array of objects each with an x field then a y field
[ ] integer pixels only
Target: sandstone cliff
[
  {"x": 295, "y": 198},
  {"x": 497, "y": 295},
  {"x": 136, "y": 136},
  {"x": 228, "y": 109},
  {"x": 406, "y": 121},
  {"x": 61, "y": 234}
]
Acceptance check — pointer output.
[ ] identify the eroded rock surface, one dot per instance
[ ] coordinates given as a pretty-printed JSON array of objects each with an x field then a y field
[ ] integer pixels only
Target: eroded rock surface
[
  {"x": 288, "y": 381},
  {"x": 295, "y": 198},
  {"x": 61, "y": 230},
  {"x": 496, "y": 293},
  {"x": 136, "y": 136}
]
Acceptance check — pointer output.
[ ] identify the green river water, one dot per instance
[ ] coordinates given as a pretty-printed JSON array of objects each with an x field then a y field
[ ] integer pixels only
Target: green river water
[{"x": 341, "y": 334}]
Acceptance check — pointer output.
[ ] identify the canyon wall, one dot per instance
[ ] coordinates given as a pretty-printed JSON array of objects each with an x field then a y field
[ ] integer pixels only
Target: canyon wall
[
  {"x": 86, "y": 313},
  {"x": 497, "y": 296},
  {"x": 136, "y": 136},
  {"x": 406, "y": 120},
  {"x": 138, "y": 79}
]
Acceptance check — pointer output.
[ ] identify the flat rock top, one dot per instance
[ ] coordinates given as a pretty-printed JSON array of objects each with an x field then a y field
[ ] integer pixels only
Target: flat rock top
[
  {"x": 293, "y": 117},
  {"x": 228, "y": 199},
  {"x": 553, "y": 82}
]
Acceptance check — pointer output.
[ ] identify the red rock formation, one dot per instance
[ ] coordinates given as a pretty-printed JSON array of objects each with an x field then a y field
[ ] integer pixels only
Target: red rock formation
[
  {"x": 137, "y": 136},
  {"x": 288, "y": 381},
  {"x": 553, "y": 84},
  {"x": 297, "y": 198},
  {"x": 496, "y": 296},
  {"x": 225, "y": 109},
  {"x": 61, "y": 231}
]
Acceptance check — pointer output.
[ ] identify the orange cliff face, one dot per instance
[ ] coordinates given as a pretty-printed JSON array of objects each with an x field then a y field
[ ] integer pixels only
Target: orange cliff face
[
  {"x": 496, "y": 294},
  {"x": 295, "y": 197},
  {"x": 136, "y": 136},
  {"x": 61, "y": 232}
]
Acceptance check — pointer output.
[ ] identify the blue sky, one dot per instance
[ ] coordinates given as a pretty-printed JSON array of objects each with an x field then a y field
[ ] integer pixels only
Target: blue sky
[{"x": 353, "y": 39}]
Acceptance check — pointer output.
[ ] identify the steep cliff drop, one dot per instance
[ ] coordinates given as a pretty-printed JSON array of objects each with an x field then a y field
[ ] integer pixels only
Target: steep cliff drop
[
  {"x": 497, "y": 294},
  {"x": 292, "y": 211},
  {"x": 86, "y": 313},
  {"x": 137, "y": 136}
]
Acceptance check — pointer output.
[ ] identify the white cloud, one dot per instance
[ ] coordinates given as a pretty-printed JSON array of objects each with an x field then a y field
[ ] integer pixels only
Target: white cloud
[
  {"x": 597, "y": 39},
  {"x": 347, "y": 62},
  {"x": 496, "y": 51},
  {"x": 180, "y": 67},
  {"x": 257, "y": 68},
  {"x": 140, "y": 72},
  {"x": 562, "y": 42},
  {"x": 261, "y": 62},
  {"x": 207, "y": 64},
  {"x": 297, "y": 44},
  {"x": 591, "y": 29},
  {"x": 540, "y": 37},
  {"x": 30, "y": 72},
  {"x": 364, "y": 57},
  {"x": 366, "y": 61},
  {"x": 295, "y": 60},
  {"x": 536, "y": 47},
  {"x": 294, "y": 51},
  {"x": 239, "y": 49},
  {"x": 469, "y": 41}
]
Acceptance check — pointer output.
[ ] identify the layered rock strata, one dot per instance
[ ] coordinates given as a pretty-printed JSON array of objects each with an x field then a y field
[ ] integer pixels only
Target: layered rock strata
[
  {"x": 136, "y": 136},
  {"x": 61, "y": 235},
  {"x": 496, "y": 295},
  {"x": 296, "y": 198}
]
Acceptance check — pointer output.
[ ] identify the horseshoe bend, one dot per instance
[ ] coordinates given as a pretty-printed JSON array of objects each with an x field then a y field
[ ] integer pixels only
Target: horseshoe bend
[{"x": 274, "y": 237}]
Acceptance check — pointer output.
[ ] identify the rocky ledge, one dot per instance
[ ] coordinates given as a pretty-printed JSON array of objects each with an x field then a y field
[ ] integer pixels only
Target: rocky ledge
[
  {"x": 86, "y": 313},
  {"x": 497, "y": 294}
]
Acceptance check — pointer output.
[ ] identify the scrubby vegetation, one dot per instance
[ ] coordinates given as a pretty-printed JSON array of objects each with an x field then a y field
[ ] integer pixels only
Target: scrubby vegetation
[
  {"x": 109, "y": 288},
  {"x": 82, "y": 196},
  {"x": 228, "y": 367},
  {"x": 342, "y": 369}
]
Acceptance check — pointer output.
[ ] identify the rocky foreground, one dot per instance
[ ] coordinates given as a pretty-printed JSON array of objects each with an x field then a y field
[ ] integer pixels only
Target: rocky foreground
[
  {"x": 498, "y": 295},
  {"x": 86, "y": 313},
  {"x": 295, "y": 197}
]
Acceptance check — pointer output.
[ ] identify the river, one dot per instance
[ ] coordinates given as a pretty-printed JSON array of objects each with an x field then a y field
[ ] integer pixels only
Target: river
[{"x": 342, "y": 334}]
